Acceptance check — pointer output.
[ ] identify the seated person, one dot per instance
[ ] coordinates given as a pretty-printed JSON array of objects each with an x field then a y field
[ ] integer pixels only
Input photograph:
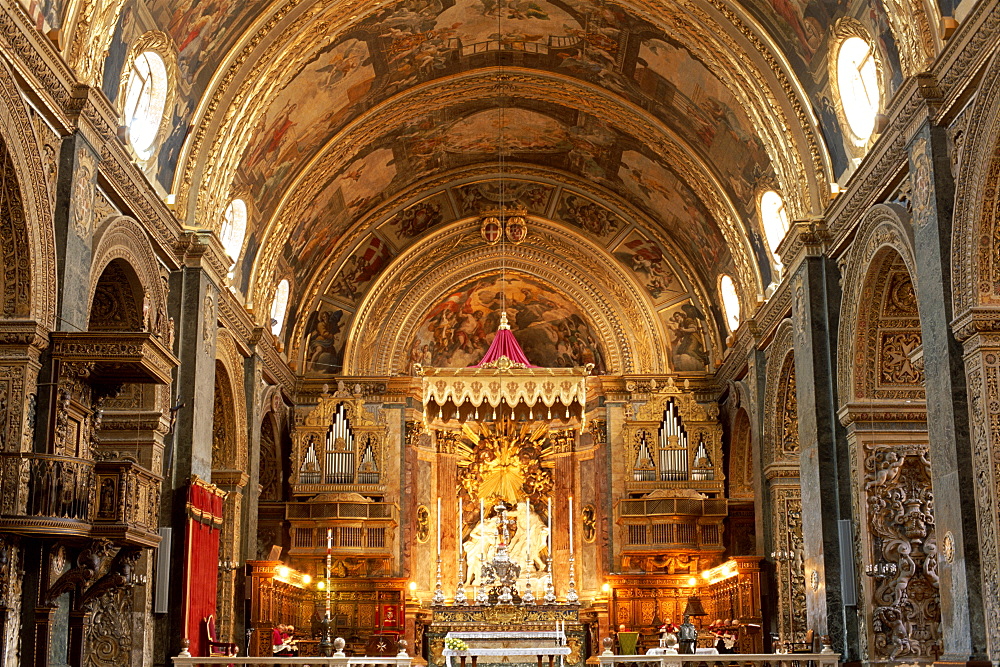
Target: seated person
[{"x": 283, "y": 641}]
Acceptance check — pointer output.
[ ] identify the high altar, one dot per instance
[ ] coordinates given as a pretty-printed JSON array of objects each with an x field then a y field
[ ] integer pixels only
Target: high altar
[{"x": 522, "y": 499}]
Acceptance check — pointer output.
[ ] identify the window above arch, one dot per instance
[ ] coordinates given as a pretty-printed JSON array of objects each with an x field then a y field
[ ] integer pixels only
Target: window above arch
[
  {"x": 234, "y": 228},
  {"x": 774, "y": 218},
  {"x": 730, "y": 302},
  {"x": 145, "y": 101},
  {"x": 858, "y": 86},
  {"x": 279, "y": 307}
]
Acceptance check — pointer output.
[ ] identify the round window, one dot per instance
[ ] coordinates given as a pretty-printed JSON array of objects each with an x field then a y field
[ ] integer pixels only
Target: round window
[
  {"x": 145, "y": 100},
  {"x": 857, "y": 80}
]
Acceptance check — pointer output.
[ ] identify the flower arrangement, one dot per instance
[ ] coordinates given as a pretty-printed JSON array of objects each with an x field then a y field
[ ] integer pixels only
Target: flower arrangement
[{"x": 455, "y": 644}]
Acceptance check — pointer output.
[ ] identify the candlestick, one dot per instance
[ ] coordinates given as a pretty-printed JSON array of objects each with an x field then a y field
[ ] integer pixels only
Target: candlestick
[
  {"x": 527, "y": 535},
  {"x": 439, "y": 526},
  {"x": 572, "y": 597},
  {"x": 460, "y": 598},
  {"x": 571, "y": 525},
  {"x": 482, "y": 516},
  {"x": 550, "y": 535}
]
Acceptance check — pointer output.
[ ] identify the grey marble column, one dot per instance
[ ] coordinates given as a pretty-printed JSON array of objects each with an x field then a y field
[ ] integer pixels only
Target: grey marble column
[
  {"x": 823, "y": 459},
  {"x": 962, "y": 620},
  {"x": 193, "y": 303}
]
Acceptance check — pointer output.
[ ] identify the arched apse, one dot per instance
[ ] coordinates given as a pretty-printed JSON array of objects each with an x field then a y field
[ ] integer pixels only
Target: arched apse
[{"x": 384, "y": 326}]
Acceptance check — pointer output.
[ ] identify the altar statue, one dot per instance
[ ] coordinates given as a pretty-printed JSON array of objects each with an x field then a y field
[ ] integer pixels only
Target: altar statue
[{"x": 483, "y": 541}]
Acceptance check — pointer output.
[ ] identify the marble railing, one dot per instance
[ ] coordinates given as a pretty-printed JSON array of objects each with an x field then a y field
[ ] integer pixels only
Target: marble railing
[
  {"x": 726, "y": 660},
  {"x": 360, "y": 661}
]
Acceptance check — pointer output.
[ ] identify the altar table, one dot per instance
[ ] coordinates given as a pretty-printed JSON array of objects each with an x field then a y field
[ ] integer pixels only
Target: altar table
[{"x": 529, "y": 643}]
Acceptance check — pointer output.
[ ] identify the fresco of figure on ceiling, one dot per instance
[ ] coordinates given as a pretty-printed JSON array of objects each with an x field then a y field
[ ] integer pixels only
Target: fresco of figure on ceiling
[{"x": 685, "y": 325}]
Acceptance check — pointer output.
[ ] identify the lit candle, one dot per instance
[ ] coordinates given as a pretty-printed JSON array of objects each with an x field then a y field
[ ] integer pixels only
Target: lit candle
[
  {"x": 571, "y": 525},
  {"x": 439, "y": 526}
]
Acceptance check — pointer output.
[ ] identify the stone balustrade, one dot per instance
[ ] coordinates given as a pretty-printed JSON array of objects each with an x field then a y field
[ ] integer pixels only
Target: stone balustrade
[{"x": 726, "y": 660}]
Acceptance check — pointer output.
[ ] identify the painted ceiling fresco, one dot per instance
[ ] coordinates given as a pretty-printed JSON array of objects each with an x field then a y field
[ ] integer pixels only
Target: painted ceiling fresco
[{"x": 367, "y": 207}]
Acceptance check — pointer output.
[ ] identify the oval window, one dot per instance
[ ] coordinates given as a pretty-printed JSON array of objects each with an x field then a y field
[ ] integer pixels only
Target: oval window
[
  {"x": 730, "y": 302},
  {"x": 857, "y": 80},
  {"x": 234, "y": 228},
  {"x": 145, "y": 100},
  {"x": 278, "y": 307},
  {"x": 774, "y": 218}
]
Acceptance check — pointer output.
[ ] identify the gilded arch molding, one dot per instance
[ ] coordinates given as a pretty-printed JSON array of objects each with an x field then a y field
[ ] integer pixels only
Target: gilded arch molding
[
  {"x": 387, "y": 318},
  {"x": 516, "y": 173},
  {"x": 781, "y": 437},
  {"x": 31, "y": 174},
  {"x": 480, "y": 85},
  {"x": 884, "y": 228},
  {"x": 713, "y": 31},
  {"x": 975, "y": 237},
  {"x": 123, "y": 238},
  {"x": 227, "y": 354}
]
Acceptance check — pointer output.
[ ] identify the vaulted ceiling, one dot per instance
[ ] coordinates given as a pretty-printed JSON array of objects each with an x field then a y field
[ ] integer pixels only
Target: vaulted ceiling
[{"x": 642, "y": 130}]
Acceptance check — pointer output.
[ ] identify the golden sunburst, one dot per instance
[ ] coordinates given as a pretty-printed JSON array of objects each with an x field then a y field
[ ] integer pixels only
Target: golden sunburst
[{"x": 504, "y": 460}]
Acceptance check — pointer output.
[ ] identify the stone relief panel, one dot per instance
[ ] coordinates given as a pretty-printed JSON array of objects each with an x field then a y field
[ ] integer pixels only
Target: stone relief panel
[
  {"x": 790, "y": 572},
  {"x": 906, "y": 615}
]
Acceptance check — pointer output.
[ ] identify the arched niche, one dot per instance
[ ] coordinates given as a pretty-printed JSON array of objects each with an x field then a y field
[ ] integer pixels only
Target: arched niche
[
  {"x": 883, "y": 409},
  {"x": 976, "y": 231},
  {"x": 783, "y": 494},
  {"x": 620, "y": 315},
  {"x": 26, "y": 230},
  {"x": 976, "y": 297},
  {"x": 121, "y": 241}
]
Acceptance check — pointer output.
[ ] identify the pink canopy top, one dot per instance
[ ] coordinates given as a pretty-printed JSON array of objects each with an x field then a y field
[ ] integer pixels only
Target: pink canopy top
[{"x": 504, "y": 345}]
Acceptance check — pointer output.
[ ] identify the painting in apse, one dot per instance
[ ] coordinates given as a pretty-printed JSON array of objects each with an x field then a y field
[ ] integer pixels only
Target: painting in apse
[
  {"x": 552, "y": 330},
  {"x": 686, "y": 330},
  {"x": 646, "y": 259},
  {"x": 325, "y": 339}
]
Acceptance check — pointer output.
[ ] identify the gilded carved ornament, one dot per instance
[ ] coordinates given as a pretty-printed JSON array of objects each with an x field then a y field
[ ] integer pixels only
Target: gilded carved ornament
[{"x": 457, "y": 253}]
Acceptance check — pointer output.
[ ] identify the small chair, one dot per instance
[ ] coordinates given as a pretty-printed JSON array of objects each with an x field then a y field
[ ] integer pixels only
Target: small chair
[
  {"x": 217, "y": 649},
  {"x": 808, "y": 646}
]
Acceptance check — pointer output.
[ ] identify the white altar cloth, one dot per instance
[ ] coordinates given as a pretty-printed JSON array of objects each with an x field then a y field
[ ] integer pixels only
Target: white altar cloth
[
  {"x": 557, "y": 647},
  {"x": 537, "y": 651}
]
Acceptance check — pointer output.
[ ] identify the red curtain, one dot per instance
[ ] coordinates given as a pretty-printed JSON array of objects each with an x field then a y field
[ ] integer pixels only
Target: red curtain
[{"x": 201, "y": 566}]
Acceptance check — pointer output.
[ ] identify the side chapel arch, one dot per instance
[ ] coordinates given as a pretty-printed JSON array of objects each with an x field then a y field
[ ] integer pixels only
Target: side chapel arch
[
  {"x": 883, "y": 408},
  {"x": 30, "y": 289},
  {"x": 976, "y": 299},
  {"x": 780, "y": 458}
]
